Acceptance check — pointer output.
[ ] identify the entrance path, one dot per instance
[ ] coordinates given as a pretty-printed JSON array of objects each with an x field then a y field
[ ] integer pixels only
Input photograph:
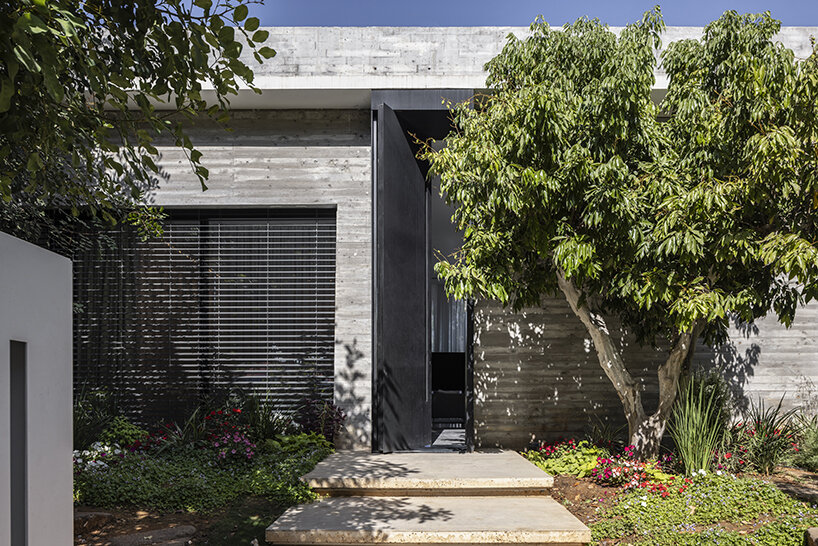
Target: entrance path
[{"x": 429, "y": 498}]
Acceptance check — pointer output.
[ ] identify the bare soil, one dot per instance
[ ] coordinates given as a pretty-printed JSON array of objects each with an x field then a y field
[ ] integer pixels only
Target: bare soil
[{"x": 237, "y": 524}]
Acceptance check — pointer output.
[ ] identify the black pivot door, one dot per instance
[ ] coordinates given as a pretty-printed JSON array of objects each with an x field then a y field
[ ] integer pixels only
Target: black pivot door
[{"x": 402, "y": 391}]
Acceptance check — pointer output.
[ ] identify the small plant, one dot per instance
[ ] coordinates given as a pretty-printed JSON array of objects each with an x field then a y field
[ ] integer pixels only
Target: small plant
[
  {"x": 318, "y": 415},
  {"x": 697, "y": 425},
  {"x": 604, "y": 433},
  {"x": 122, "y": 432},
  {"x": 233, "y": 446},
  {"x": 294, "y": 443},
  {"x": 194, "y": 432},
  {"x": 566, "y": 458},
  {"x": 806, "y": 453},
  {"x": 93, "y": 411},
  {"x": 766, "y": 435},
  {"x": 261, "y": 418},
  {"x": 627, "y": 472}
]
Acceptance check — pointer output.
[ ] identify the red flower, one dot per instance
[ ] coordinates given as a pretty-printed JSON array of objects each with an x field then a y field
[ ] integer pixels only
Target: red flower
[{"x": 728, "y": 455}]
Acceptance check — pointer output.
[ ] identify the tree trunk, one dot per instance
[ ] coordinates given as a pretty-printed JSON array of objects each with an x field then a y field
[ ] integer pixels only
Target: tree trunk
[{"x": 645, "y": 431}]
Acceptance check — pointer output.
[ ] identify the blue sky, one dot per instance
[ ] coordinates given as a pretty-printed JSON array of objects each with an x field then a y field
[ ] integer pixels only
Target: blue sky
[{"x": 514, "y": 12}]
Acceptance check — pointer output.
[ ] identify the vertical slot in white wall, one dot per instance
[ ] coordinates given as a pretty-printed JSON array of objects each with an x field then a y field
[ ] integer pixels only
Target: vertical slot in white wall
[{"x": 19, "y": 441}]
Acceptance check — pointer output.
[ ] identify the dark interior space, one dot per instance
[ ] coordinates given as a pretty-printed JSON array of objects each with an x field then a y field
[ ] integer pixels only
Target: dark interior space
[{"x": 448, "y": 390}]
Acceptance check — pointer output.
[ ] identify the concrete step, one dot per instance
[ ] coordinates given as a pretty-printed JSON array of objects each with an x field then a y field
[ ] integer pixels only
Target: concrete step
[
  {"x": 499, "y": 473},
  {"x": 429, "y": 520}
]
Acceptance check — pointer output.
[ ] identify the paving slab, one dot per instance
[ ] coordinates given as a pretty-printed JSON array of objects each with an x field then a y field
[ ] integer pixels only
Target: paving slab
[
  {"x": 158, "y": 537},
  {"x": 429, "y": 520},
  {"x": 439, "y": 474},
  {"x": 91, "y": 521}
]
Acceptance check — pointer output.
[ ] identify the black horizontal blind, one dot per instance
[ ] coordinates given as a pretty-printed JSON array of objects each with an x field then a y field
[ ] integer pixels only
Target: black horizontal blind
[{"x": 221, "y": 301}]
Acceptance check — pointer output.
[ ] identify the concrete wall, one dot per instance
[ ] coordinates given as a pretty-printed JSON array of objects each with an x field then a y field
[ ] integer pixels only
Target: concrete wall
[
  {"x": 286, "y": 158},
  {"x": 337, "y": 67},
  {"x": 35, "y": 308},
  {"x": 767, "y": 360},
  {"x": 537, "y": 373}
]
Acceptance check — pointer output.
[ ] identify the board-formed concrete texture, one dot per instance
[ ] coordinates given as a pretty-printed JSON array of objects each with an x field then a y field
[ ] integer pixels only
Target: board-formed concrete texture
[
  {"x": 429, "y": 520},
  {"x": 35, "y": 309},
  {"x": 536, "y": 373},
  {"x": 337, "y": 67},
  {"x": 418, "y": 474}
]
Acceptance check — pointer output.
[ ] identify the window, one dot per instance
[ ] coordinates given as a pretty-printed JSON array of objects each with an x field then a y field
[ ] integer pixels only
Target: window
[{"x": 222, "y": 300}]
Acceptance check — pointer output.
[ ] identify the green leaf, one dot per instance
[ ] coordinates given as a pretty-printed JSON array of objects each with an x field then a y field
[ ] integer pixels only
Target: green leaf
[
  {"x": 261, "y": 36},
  {"x": 52, "y": 84},
  {"x": 6, "y": 93},
  {"x": 26, "y": 58},
  {"x": 34, "y": 163},
  {"x": 28, "y": 22},
  {"x": 204, "y": 4},
  {"x": 227, "y": 35},
  {"x": 251, "y": 24},
  {"x": 267, "y": 52},
  {"x": 240, "y": 13}
]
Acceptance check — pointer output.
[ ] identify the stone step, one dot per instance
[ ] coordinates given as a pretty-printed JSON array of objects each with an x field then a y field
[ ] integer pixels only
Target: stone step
[
  {"x": 497, "y": 473},
  {"x": 429, "y": 520}
]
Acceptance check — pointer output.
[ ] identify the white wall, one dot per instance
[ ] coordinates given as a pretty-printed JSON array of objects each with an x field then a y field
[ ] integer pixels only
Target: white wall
[{"x": 35, "y": 308}]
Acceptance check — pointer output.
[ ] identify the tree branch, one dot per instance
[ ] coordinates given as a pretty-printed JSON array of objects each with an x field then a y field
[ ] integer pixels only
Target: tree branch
[{"x": 608, "y": 353}]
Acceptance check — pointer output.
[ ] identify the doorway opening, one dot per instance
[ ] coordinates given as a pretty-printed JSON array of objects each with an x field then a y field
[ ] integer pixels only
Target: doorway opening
[
  {"x": 449, "y": 319},
  {"x": 422, "y": 372}
]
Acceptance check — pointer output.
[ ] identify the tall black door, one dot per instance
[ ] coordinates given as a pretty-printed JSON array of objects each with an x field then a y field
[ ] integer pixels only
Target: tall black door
[{"x": 402, "y": 391}]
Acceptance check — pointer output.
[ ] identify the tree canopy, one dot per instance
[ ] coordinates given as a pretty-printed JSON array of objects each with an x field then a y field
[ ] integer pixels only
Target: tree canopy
[
  {"x": 86, "y": 86},
  {"x": 672, "y": 217}
]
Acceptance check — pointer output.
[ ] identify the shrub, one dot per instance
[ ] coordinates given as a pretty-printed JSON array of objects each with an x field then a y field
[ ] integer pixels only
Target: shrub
[
  {"x": 697, "y": 424},
  {"x": 93, "y": 411},
  {"x": 189, "y": 479},
  {"x": 766, "y": 435},
  {"x": 566, "y": 458},
  {"x": 122, "y": 432}
]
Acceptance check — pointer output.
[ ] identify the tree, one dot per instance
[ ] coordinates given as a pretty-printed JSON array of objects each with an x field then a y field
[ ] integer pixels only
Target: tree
[
  {"x": 565, "y": 180},
  {"x": 81, "y": 83}
]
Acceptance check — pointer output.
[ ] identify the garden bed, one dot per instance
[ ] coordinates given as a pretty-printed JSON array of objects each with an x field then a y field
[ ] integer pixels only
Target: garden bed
[
  {"x": 656, "y": 502},
  {"x": 228, "y": 472},
  {"x": 754, "y": 513}
]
